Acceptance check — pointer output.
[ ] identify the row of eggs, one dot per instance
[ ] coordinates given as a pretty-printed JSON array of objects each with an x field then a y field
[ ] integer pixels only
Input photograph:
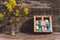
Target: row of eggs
[
  {"x": 47, "y": 27},
  {"x": 39, "y": 21}
]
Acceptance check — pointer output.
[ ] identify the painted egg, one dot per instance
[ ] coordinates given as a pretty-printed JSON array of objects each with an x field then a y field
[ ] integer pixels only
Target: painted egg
[
  {"x": 40, "y": 21},
  {"x": 46, "y": 20},
  {"x": 45, "y": 29},
  {"x": 48, "y": 26},
  {"x": 37, "y": 26},
  {"x": 37, "y": 22},
  {"x": 40, "y": 27}
]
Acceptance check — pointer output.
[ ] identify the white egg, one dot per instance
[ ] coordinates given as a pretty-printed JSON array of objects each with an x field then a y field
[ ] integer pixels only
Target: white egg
[
  {"x": 37, "y": 26},
  {"x": 46, "y": 20}
]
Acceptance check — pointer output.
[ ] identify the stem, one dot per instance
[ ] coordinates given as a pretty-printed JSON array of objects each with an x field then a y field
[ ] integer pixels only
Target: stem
[{"x": 13, "y": 32}]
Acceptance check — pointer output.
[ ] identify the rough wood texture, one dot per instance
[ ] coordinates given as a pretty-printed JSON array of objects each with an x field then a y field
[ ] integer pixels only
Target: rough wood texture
[{"x": 26, "y": 22}]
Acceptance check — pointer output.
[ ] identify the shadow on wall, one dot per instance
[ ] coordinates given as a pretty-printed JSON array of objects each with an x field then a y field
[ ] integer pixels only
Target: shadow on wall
[{"x": 27, "y": 27}]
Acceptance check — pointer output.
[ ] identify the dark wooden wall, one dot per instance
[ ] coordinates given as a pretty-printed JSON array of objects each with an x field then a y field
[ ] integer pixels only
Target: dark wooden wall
[
  {"x": 54, "y": 11},
  {"x": 26, "y": 23}
]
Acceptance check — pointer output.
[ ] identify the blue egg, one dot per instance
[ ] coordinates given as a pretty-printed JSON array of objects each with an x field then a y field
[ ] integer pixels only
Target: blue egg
[
  {"x": 40, "y": 27},
  {"x": 48, "y": 26},
  {"x": 37, "y": 22}
]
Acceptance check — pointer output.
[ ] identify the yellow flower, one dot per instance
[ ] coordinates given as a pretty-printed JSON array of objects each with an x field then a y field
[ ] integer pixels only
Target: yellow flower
[
  {"x": 21, "y": 5},
  {"x": 26, "y": 10},
  {"x": 1, "y": 15},
  {"x": 12, "y": 2},
  {"x": 11, "y": 20},
  {"x": 17, "y": 13},
  {"x": 4, "y": 2},
  {"x": 10, "y": 5}
]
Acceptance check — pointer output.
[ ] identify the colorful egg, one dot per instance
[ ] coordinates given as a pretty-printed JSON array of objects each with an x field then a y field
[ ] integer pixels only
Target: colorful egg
[
  {"x": 45, "y": 29},
  {"x": 37, "y": 26},
  {"x": 48, "y": 26},
  {"x": 40, "y": 21},
  {"x": 40, "y": 27},
  {"x": 47, "y": 21},
  {"x": 37, "y": 22}
]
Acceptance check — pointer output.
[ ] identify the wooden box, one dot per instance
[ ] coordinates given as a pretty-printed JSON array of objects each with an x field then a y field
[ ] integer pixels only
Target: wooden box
[{"x": 42, "y": 23}]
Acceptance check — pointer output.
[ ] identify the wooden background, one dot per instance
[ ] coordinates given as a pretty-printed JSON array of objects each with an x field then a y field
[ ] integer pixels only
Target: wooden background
[
  {"x": 49, "y": 7},
  {"x": 39, "y": 7}
]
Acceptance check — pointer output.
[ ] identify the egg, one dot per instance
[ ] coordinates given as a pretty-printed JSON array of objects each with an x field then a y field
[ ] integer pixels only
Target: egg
[
  {"x": 48, "y": 26},
  {"x": 40, "y": 27},
  {"x": 47, "y": 21},
  {"x": 36, "y": 26},
  {"x": 40, "y": 21},
  {"x": 45, "y": 29},
  {"x": 37, "y": 22}
]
